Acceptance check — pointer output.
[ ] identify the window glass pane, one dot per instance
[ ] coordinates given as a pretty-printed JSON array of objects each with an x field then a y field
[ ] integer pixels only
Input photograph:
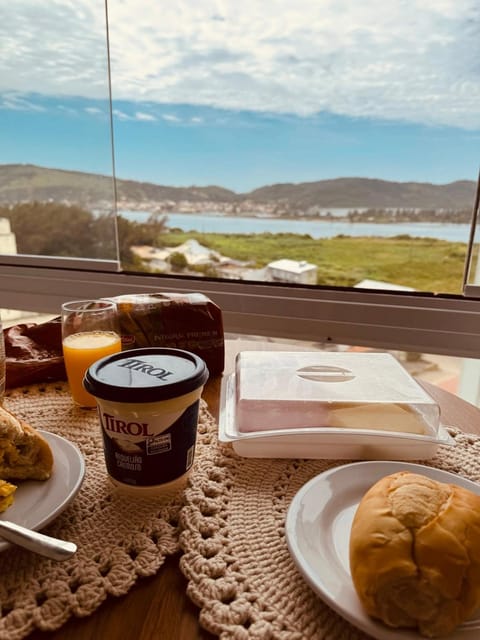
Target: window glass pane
[
  {"x": 56, "y": 185},
  {"x": 472, "y": 266},
  {"x": 311, "y": 142},
  {"x": 294, "y": 140}
]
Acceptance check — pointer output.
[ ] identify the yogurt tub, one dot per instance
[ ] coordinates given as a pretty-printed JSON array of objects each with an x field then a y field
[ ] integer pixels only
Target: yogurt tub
[{"x": 148, "y": 401}]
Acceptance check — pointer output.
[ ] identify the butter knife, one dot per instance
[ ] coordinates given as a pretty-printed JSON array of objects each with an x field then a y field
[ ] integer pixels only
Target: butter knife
[{"x": 52, "y": 548}]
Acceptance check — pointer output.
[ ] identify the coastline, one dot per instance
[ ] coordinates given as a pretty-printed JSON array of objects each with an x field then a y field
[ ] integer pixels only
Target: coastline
[
  {"x": 357, "y": 215},
  {"x": 214, "y": 222}
]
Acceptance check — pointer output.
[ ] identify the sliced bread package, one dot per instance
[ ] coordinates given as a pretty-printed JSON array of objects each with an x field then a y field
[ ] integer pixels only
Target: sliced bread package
[{"x": 189, "y": 321}]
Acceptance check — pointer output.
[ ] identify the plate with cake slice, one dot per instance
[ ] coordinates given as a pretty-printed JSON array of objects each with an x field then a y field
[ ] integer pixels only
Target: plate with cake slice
[{"x": 40, "y": 473}]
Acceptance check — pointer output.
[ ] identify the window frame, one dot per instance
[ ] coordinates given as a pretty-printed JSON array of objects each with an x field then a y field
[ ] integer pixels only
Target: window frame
[{"x": 409, "y": 321}]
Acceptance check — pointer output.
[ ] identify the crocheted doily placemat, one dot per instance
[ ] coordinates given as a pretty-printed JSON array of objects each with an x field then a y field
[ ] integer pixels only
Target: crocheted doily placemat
[
  {"x": 118, "y": 541},
  {"x": 236, "y": 559}
]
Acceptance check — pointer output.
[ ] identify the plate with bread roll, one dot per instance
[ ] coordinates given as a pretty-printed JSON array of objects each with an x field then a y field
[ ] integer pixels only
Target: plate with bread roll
[
  {"x": 393, "y": 547},
  {"x": 40, "y": 473}
]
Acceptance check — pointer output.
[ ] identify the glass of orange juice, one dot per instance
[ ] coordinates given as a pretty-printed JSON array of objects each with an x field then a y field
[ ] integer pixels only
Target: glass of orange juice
[{"x": 90, "y": 330}]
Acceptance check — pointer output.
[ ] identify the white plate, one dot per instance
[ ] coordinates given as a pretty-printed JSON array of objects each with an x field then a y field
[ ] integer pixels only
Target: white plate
[
  {"x": 38, "y": 502},
  {"x": 318, "y": 533}
]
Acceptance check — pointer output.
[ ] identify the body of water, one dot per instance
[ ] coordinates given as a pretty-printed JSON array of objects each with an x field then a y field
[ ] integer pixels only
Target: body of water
[{"x": 216, "y": 223}]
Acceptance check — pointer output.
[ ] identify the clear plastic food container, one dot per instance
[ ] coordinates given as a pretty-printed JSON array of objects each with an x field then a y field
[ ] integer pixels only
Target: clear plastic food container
[{"x": 328, "y": 405}]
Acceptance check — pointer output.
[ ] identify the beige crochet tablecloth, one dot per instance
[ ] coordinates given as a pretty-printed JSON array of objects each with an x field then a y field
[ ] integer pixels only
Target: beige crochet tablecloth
[
  {"x": 229, "y": 524},
  {"x": 118, "y": 541},
  {"x": 235, "y": 554}
]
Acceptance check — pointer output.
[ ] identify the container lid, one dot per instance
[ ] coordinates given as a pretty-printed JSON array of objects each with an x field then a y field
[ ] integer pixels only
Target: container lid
[
  {"x": 317, "y": 442},
  {"x": 145, "y": 375},
  {"x": 284, "y": 390}
]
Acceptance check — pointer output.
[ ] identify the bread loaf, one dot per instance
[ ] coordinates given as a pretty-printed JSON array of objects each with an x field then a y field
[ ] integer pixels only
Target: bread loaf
[
  {"x": 189, "y": 321},
  {"x": 24, "y": 453},
  {"x": 33, "y": 353},
  {"x": 415, "y": 553}
]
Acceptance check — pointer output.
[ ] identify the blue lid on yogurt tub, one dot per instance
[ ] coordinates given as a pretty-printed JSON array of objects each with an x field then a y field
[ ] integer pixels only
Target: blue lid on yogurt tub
[{"x": 149, "y": 374}]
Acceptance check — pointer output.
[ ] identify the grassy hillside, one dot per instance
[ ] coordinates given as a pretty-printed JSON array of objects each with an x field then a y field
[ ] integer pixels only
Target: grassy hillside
[
  {"x": 424, "y": 264},
  {"x": 23, "y": 183},
  {"x": 20, "y": 183}
]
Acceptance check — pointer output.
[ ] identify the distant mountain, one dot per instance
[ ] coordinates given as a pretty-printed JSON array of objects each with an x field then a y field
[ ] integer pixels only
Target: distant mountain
[
  {"x": 364, "y": 192},
  {"x": 24, "y": 182}
]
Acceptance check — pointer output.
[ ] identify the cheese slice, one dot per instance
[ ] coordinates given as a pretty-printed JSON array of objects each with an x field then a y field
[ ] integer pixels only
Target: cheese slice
[{"x": 379, "y": 417}]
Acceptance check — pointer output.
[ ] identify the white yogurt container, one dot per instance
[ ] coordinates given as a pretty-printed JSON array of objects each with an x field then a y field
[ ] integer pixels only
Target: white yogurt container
[{"x": 148, "y": 401}]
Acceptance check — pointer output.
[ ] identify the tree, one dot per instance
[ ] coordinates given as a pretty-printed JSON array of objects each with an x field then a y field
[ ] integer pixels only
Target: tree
[
  {"x": 57, "y": 229},
  {"x": 54, "y": 229}
]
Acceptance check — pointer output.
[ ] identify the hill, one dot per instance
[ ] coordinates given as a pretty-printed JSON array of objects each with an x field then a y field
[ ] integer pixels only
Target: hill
[
  {"x": 365, "y": 192},
  {"x": 25, "y": 182}
]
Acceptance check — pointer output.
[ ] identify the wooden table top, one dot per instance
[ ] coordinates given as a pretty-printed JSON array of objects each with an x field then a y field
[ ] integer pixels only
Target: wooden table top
[{"x": 158, "y": 608}]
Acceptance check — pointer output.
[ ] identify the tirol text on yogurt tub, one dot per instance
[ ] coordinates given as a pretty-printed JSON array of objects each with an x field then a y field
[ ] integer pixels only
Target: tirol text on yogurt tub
[{"x": 148, "y": 402}]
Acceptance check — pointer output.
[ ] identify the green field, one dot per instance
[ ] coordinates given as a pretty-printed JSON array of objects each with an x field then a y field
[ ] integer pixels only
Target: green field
[{"x": 424, "y": 264}]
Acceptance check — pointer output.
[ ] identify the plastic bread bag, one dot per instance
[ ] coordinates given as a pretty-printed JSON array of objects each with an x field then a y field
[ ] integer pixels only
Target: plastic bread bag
[{"x": 188, "y": 321}]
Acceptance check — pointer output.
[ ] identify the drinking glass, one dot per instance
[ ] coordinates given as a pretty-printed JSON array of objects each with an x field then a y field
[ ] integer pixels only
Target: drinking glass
[{"x": 90, "y": 330}]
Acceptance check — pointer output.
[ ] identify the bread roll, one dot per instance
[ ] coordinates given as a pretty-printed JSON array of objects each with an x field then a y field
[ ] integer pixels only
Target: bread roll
[
  {"x": 415, "y": 553},
  {"x": 24, "y": 453}
]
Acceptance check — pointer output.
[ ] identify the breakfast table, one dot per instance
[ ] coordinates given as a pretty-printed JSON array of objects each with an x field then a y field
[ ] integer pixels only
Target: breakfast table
[{"x": 211, "y": 563}]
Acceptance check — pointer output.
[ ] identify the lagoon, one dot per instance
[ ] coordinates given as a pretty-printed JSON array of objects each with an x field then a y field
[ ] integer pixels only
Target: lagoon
[{"x": 218, "y": 223}]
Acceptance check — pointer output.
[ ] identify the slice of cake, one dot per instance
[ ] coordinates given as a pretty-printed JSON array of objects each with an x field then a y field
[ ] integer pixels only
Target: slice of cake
[{"x": 24, "y": 453}]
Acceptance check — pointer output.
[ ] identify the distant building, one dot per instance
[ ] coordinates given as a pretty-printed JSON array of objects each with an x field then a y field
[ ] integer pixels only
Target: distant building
[
  {"x": 292, "y": 271},
  {"x": 8, "y": 244}
]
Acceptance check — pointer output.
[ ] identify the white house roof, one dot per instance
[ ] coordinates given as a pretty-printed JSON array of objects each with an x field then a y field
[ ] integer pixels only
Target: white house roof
[
  {"x": 293, "y": 266},
  {"x": 378, "y": 284}
]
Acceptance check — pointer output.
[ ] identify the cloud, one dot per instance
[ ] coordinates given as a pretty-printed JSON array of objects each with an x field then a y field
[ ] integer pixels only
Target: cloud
[
  {"x": 121, "y": 115},
  {"x": 168, "y": 117},
  {"x": 137, "y": 115},
  {"x": 410, "y": 60},
  {"x": 15, "y": 102},
  {"x": 145, "y": 117},
  {"x": 67, "y": 109},
  {"x": 93, "y": 111}
]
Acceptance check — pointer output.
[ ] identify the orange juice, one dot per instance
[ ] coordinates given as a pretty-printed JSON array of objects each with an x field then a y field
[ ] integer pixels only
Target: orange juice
[{"x": 80, "y": 350}]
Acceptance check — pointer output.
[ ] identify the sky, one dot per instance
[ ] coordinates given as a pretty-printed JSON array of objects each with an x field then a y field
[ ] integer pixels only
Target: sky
[{"x": 243, "y": 94}]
